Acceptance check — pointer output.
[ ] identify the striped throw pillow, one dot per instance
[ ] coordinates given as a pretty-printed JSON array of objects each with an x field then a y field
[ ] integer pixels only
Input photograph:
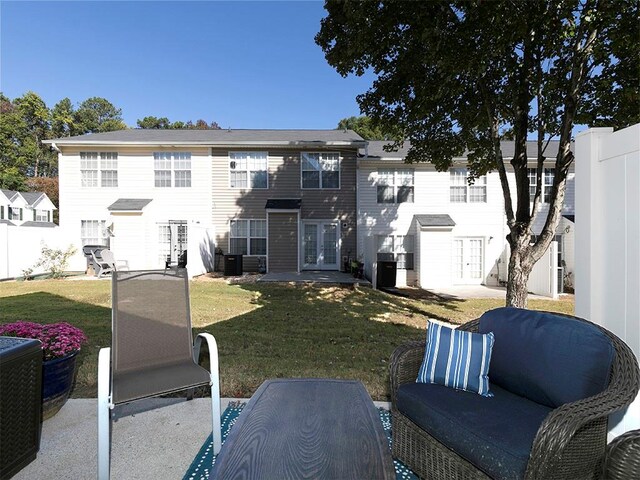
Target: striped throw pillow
[{"x": 457, "y": 359}]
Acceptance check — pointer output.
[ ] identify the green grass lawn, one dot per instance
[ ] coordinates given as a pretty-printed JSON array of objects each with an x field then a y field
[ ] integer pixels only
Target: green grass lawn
[{"x": 262, "y": 330}]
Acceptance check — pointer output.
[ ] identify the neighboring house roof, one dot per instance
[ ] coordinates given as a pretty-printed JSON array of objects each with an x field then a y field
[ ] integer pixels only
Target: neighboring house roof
[
  {"x": 31, "y": 197},
  {"x": 214, "y": 137},
  {"x": 571, "y": 218},
  {"x": 38, "y": 224},
  {"x": 9, "y": 193},
  {"x": 284, "y": 204},
  {"x": 129, "y": 204},
  {"x": 435, "y": 220},
  {"x": 375, "y": 150},
  {"x": 7, "y": 222}
]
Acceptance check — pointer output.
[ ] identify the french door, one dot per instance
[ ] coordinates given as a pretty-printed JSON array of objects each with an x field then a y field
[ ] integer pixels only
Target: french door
[
  {"x": 468, "y": 260},
  {"x": 320, "y": 246}
]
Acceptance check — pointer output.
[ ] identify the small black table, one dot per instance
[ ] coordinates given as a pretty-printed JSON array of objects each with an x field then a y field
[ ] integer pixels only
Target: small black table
[
  {"x": 20, "y": 403},
  {"x": 307, "y": 428}
]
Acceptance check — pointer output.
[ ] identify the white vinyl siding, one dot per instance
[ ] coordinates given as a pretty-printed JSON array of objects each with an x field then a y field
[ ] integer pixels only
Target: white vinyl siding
[
  {"x": 320, "y": 170},
  {"x": 172, "y": 168},
  {"x": 248, "y": 170},
  {"x": 99, "y": 169},
  {"x": 248, "y": 237},
  {"x": 461, "y": 192}
]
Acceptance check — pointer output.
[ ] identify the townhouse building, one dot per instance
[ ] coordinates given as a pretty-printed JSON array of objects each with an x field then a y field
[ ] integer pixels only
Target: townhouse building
[
  {"x": 285, "y": 199},
  {"x": 440, "y": 229},
  {"x": 288, "y": 200}
]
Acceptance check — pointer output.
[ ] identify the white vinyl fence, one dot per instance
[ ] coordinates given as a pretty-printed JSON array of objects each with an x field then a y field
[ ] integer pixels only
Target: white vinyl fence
[
  {"x": 607, "y": 250},
  {"x": 543, "y": 279},
  {"x": 20, "y": 247}
]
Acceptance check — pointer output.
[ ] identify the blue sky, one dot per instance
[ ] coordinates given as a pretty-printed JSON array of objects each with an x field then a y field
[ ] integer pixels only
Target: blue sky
[{"x": 242, "y": 64}]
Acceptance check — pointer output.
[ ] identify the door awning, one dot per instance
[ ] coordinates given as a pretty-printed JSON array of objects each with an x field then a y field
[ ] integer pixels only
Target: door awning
[
  {"x": 435, "y": 220},
  {"x": 284, "y": 204},
  {"x": 129, "y": 204}
]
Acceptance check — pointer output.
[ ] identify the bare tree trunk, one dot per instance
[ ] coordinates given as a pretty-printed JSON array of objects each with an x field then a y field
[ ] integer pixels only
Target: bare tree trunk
[{"x": 520, "y": 266}]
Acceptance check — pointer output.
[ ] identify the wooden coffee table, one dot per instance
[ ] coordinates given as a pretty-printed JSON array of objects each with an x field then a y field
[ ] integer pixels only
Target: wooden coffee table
[{"x": 307, "y": 428}]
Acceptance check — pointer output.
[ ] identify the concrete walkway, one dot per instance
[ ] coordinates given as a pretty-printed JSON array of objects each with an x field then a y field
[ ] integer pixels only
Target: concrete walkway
[
  {"x": 146, "y": 443},
  {"x": 315, "y": 276},
  {"x": 477, "y": 291}
]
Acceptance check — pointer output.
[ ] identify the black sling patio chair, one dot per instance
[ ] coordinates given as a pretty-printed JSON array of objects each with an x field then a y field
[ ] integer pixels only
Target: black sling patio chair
[{"x": 152, "y": 351}]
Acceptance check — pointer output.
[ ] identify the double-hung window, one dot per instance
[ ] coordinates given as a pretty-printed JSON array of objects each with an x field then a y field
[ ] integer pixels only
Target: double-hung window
[
  {"x": 248, "y": 237},
  {"x": 99, "y": 169},
  {"x": 461, "y": 192},
  {"x": 89, "y": 169},
  {"x": 547, "y": 183},
  {"x": 395, "y": 186},
  {"x": 41, "y": 215},
  {"x": 93, "y": 232},
  {"x": 108, "y": 169},
  {"x": 182, "y": 169},
  {"x": 398, "y": 248},
  {"x": 172, "y": 168},
  {"x": 320, "y": 169},
  {"x": 15, "y": 213},
  {"x": 248, "y": 170}
]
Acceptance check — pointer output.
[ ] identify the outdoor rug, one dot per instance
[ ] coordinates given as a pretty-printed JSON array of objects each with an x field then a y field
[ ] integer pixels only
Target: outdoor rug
[{"x": 201, "y": 466}]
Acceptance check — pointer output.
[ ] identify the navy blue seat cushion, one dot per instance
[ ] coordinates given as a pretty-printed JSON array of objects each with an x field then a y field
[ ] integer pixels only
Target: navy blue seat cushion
[
  {"x": 493, "y": 433},
  {"x": 547, "y": 358}
]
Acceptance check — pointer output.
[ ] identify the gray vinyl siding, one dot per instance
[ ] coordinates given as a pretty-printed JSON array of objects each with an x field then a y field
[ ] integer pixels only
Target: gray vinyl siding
[
  {"x": 283, "y": 242},
  {"x": 285, "y": 182}
]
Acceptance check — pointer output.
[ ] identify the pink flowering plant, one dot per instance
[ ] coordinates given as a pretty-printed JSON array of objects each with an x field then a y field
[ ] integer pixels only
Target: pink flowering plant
[{"x": 58, "y": 339}]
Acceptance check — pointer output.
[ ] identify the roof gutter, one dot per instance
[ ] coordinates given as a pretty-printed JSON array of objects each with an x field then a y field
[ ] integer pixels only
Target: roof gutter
[{"x": 238, "y": 143}]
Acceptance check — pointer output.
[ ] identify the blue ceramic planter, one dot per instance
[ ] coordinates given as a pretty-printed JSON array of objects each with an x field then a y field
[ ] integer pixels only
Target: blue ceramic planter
[{"x": 58, "y": 376}]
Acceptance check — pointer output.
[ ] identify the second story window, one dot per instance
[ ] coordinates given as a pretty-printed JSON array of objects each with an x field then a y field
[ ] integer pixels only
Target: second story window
[
  {"x": 320, "y": 170},
  {"x": 395, "y": 186},
  {"x": 172, "y": 169},
  {"x": 547, "y": 183},
  {"x": 99, "y": 169},
  {"x": 248, "y": 170},
  {"x": 461, "y": 192}
]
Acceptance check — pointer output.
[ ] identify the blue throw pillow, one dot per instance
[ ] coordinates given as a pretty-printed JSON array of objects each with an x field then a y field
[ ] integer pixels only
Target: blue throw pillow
[{"x": 457, "y": 359}]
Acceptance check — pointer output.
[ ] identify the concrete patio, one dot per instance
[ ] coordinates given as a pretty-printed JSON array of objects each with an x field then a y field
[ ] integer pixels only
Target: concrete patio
[
  {"x": 315, "y": 276},
  {"x": 477, "y": 291},
  {"x": 147, "y": 442}
]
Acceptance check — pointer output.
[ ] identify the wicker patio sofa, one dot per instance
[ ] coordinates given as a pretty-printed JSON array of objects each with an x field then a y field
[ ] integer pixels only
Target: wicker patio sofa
[{"x": 568, "y": 442}]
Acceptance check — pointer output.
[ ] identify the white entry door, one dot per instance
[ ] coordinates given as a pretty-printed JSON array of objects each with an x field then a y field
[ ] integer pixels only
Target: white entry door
[
  {"x": 320, "y": 245},
  {"x": 468, "y": 260}
]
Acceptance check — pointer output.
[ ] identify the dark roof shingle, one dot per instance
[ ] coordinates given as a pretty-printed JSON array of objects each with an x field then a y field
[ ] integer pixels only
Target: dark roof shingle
[
  {"x": 376, "y": 150},
  {"x": 283, "y": 204},
  {"x": 129, "y": 204},
  {"x": 212, "y": 137},
  {"x": 435, "y": 220}
]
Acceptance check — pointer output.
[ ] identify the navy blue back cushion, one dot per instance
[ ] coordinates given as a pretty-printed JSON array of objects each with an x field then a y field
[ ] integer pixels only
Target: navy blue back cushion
[{"x": 547, "y": 358}]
